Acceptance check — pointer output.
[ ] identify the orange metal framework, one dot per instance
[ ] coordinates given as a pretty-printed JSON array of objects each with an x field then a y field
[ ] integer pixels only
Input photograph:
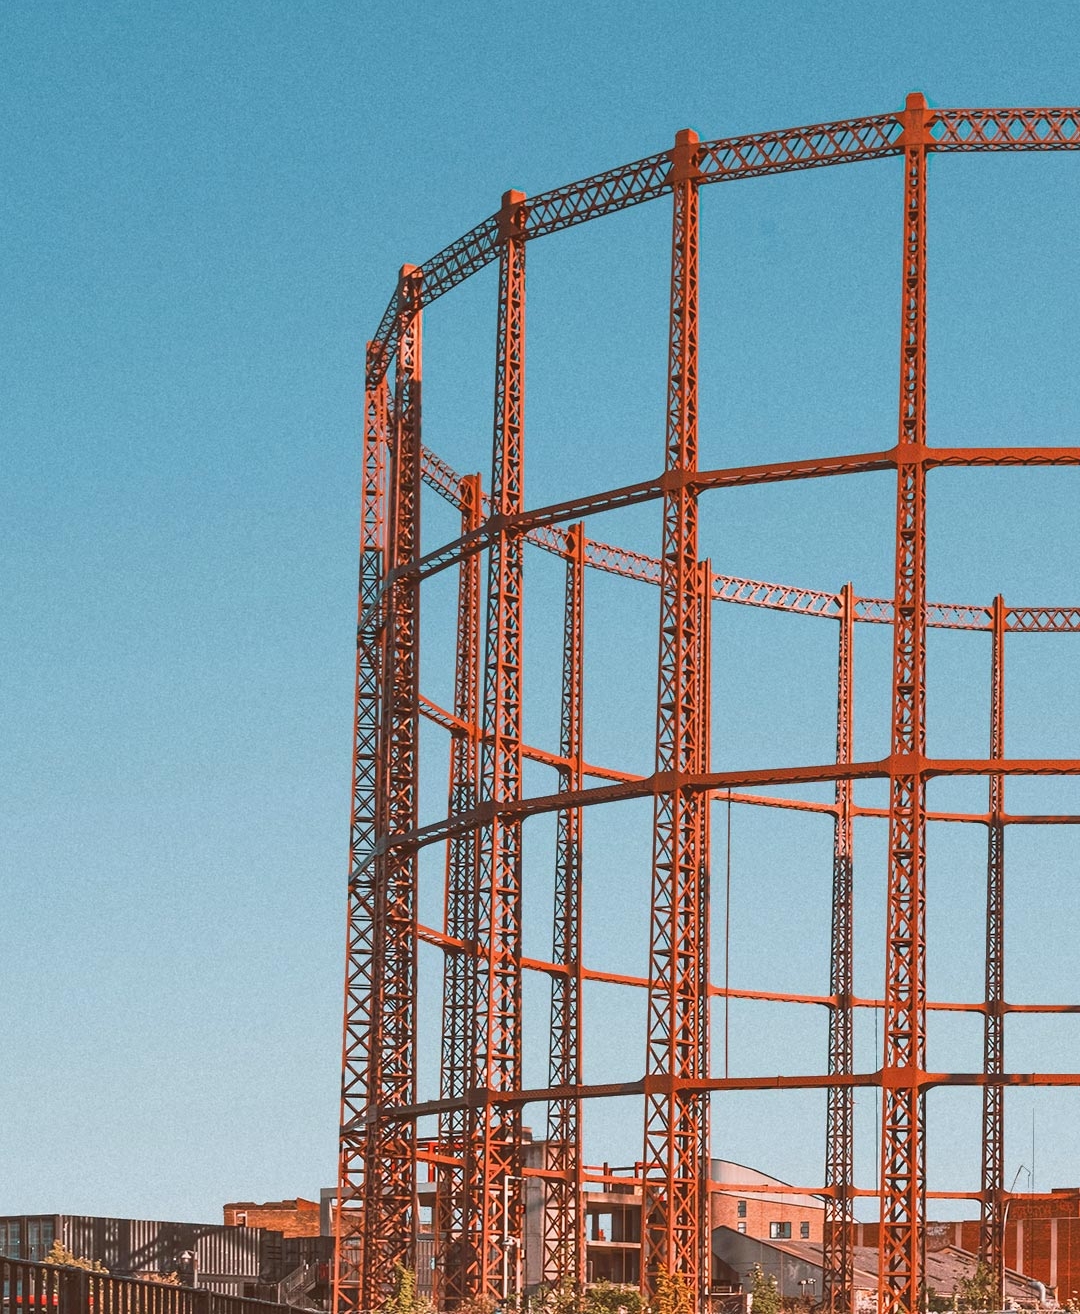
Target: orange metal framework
[{"x": 478, "y": 1156}]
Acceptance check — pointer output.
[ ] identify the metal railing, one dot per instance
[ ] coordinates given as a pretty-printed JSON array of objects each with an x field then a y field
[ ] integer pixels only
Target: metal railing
[{"x": 28, "y": 1288}]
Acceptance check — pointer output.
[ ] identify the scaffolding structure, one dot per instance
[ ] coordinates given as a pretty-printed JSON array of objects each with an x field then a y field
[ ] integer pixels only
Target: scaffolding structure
[{"x": 478, "y": 1158}]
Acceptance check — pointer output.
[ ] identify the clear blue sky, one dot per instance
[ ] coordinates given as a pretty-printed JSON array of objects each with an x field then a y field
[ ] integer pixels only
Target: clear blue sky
[{"x": 204, "y": 207}]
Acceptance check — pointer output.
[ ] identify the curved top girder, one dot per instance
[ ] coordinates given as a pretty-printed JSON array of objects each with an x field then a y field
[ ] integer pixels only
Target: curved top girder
[
  {"x": 437, "y": 474},
  {"x": 725, "y": 160}
]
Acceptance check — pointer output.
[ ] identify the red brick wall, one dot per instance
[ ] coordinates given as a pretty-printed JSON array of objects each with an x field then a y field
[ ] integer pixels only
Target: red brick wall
[
  {"x": 724, "y": 1212},
  {"x": 1047, "y": 1248},
  {"x": 289, "y": 1217}
]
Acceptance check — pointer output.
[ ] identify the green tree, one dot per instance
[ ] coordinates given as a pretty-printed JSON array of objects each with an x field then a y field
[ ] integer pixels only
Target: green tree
[
  {"x": 766, "y": 1294},
  {"x": 560, "y": 1298},
  {"x": 672, "y": 1293},
  {"x": 979, "y": 1291},
  {"x": 610, "y": 1298},
  {"x": 406, "y": 1299},
  {"x": 476, "y": 1305}
]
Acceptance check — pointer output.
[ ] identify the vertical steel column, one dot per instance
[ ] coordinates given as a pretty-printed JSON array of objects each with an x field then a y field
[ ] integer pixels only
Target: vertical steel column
[
  {"x": 676, "y": 1121},
  {"x": 902, "y": 1148},
  {"x": 837, "y": 1254},
  {"x": 459, "y": 965},
  {"x": 564, "y": 1223},
  {"x": 391, "y": 1168},
  {"x": 704, "y": 931},
  {"x": 349, "y": 1212},
  {"x": 495, "y": 1203},
  {"x": 992, "y": 1231}
]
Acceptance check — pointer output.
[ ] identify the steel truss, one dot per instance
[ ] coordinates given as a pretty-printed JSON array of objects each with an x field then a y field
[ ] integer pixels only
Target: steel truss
[{"x": 478, "y": 1154}]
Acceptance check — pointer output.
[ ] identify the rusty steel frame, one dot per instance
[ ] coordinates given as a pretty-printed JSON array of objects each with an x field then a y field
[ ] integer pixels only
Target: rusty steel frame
[
  {"x": 563, "y": 1223},
  {"x": 478, "y": 1155},
  {"x": 676, "y": 1120},
  {"x": 390, "y": 1157},
  {"x": 459, "y": 968},
  {"x": 837, "y": 1259},
  {"x": 993, "y": 1205}
]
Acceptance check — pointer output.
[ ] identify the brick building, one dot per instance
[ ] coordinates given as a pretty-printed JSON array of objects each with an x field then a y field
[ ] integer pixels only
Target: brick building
[
  {"x": 776, "y": 1214},
  {"x": 1042, "y": 1239},
  {"x": 749, "y": 1202},
  {"x": 297, "y": 1217},
  {"x": 796, "y": 1267}
]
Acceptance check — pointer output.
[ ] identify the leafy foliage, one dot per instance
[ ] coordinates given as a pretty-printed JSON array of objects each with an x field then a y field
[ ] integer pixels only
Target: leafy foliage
[
  {"x": 672, "y": 1293},
  {"x": 766, "y": 1294},
  {"x": 610, "y": 1298},
  {"x": 476, "y": 1305},
  {"x": 61, "y": 1255},
  {"x": 979, "y": 1291},
  {"x": 563, "y": 1298},
  {"x": 406, "y": 1299}
]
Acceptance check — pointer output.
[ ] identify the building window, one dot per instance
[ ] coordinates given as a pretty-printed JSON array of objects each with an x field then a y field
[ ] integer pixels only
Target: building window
[
  {"x": 742, "y": 1228},
  {"x": 804, "y": 1231},
  {"x": 779, "y": 1231},
  {"x": 39, "y": 1237},
  {"x": 241, "y": 1219},
  {"x": 742, "y": 1209},
  {"x": 11, "y": 1239}
]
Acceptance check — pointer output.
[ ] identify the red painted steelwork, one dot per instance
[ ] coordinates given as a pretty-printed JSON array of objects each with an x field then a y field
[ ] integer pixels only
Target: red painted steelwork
[
  {"x": 391, "y": 1149},
  {"x": 494, "y": 1206},
  {"x": 903, "y": 1168},
  {"x": 478, "y": 1153},
  {"x": 837, "y": 1266},
  {"x": 359, "y": 1032},
  {"x": 676, "y": 1122},
  {"x": 459, "y": 968},
  {"x": 564, "y": 1219},
  {"x": 992, "y": 1229}
]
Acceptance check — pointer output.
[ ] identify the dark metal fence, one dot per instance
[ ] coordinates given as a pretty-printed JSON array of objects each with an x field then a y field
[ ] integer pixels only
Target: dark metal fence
[{"x": 27, "y": 1288}]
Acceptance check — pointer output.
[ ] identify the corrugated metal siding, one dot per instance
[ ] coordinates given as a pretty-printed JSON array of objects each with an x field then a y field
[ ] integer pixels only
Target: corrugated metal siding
[
  {"x": 237, "y": 1257},
  {"x": 232, "y": 1251},
  {"x": 132, "y": 1245},
  {"x": 425, "y": 1265},
  {"x": 237, "y": 1288}
]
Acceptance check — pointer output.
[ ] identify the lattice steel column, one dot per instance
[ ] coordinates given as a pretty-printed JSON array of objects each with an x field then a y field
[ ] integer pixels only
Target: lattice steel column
[
  {"x": 359, "y": 982},
  {"x": 992, "y": 1230},
  {"x": 459, "y": 968},
  {"x": 391, "y": 1168},
  {"x": 564, "y": 1222},
  {"x": 705, "y": 600},
  {"x": 676, "y": 1122},
  {"x": 495, "y": 1205},
  {"x": 902, "y": 1148},
  {"x": 837, "y": 1255}
]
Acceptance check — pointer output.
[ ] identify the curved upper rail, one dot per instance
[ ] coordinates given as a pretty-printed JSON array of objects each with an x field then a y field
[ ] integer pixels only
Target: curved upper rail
[
  {"x": 445, "y": 481},
  {"x": 725, "y": 160}
]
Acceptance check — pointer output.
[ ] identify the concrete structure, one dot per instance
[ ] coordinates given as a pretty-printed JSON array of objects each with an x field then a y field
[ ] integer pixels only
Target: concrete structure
[
  {"x": 749, "y": 1202},
  {"x": 744, "y": 1199}
]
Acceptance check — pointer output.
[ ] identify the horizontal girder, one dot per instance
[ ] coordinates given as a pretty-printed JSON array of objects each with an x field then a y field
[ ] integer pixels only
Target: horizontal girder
[
  {"x": 540, "y": 528},
  {"x": 665, "y": 1084},
  {"x": 728, "y": 160}
]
